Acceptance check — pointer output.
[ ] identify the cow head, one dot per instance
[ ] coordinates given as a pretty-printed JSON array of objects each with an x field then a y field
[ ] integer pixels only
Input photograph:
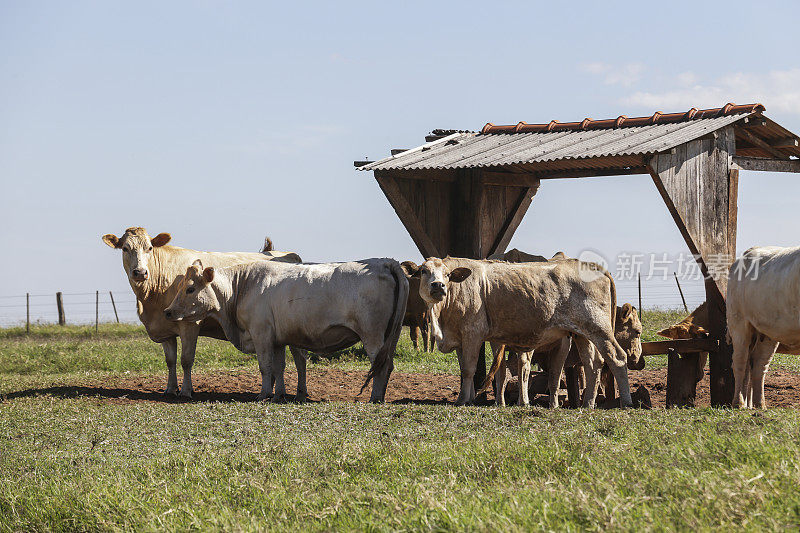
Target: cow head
[
  {"x": 137, "y": 248},
  {"x": 435, "y": 277},
  {"x": 195, "y": 298},
  {"x": 628, "y": 332}
]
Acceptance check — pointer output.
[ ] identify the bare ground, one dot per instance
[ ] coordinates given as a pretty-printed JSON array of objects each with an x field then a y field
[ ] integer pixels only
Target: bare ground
[{"x": 330, "y": 385}]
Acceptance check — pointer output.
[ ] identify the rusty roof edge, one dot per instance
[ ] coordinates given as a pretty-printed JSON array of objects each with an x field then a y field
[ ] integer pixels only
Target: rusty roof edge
[{"x": 624, "y": 122}]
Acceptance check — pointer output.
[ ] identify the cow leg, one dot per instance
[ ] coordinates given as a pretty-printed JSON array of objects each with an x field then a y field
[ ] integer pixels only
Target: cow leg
[
  {"x": 278, "y": 370},
  {"x": 592, "y": 366},
  {"x": 425, "y": 336},
  {"x": 300, "y": 357},
  {"x": 556, "y": 365},
  {"x": 500, "y": 382},
  {"x": 468, "y": 361},
  {"x": 747, "y": 384},
  {"x": 413, "y": 332},
  {"x": 380, "y": 381},
  {"x": 762, "y": 355},
  {"x": 265, "y": 348},
  {"x": 741, "y": 336},
  {"x": 171, "y": 357},
  {"x": 523, "y": 377},
  {"x": 573, "y": 386},
  {"x": 189, "y": 334},
  {"x": 616, "y": 359}
]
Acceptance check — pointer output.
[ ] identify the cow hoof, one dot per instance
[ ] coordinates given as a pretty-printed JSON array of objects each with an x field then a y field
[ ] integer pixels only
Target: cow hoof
[
  {"x": 278, "y": 399},
  {"x": 300, "y": 398},
  {"x": 186, "y": 395},
  {"x": 171, "y": 392}
]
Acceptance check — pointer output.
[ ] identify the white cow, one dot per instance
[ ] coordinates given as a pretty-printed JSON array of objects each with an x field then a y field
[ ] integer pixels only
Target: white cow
[
  {"x": 763, "y": 308},
  {"x": 322, "y": 307}
]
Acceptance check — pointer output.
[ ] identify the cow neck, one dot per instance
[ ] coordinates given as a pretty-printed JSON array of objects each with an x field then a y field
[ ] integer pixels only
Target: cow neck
[
  {"x": 157, "y": 282},
  {"x": 225, "y": 286}
]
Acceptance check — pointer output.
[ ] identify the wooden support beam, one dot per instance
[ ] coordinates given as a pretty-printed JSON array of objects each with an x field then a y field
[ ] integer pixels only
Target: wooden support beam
[
  {"x": 513, "y": 220},
  {"x": 680, "y": 346},
  {"x": 407, "y": 216},
  {"x": 510, "y": 179},
  {"x": 591, "y": 172},
  {"x": 766, "y": 165},
  {"x": 789, "y": 142},
  {"x": 700, "y": 188},
  {"x": 761, "y": 143}
]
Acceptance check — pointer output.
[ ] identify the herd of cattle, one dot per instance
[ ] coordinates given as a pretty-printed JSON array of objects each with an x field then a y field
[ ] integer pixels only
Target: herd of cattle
[{"x": 559, "y": 312}]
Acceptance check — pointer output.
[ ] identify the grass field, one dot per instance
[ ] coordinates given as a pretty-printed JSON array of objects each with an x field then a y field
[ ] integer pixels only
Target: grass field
[{"x": 88, "y": 463}]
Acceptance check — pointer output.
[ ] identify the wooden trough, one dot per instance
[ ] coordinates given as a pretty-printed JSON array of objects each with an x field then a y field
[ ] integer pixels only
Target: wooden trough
[{"x": 464, "y": 194}]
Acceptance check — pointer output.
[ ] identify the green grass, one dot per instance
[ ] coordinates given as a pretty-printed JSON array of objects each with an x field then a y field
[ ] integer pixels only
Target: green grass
[{"x": 91, "y": 464}]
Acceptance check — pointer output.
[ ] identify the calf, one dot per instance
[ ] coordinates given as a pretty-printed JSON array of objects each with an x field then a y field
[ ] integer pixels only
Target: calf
[
  {"x": 416, "y": 317},
  {"x": 321, "y": 307},
  {"x": 526, "y": 305},
  {"x": 627, "y": 332}
]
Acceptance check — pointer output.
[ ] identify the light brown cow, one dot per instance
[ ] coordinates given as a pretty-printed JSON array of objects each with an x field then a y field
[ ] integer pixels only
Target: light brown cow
[
  {"x": 416, "y": 317},
  {"x": 627, "y": 332},
  {"x": 154, "y": 270},
  {"x": 528, "y": 305}
]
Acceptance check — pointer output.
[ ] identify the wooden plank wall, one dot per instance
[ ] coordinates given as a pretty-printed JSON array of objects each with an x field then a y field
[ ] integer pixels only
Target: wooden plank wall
[{"x": 700, "y": 186}]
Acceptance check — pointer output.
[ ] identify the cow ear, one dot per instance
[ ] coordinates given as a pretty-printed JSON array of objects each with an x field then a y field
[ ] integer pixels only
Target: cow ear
[
  {"x": 457, "y": 275},
  {"x": 627, "y": 310},
  {"x": 208, "y": 274},
  {"x": 197, "y": 263},
  {"x": 409, "y": 267},
  {"x": 111, "y": 240},
  {"x": 161, "y": 239}
]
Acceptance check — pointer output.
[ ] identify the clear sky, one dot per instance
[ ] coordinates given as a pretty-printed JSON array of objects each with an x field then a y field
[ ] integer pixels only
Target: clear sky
[{"x": 223, "y": 122}]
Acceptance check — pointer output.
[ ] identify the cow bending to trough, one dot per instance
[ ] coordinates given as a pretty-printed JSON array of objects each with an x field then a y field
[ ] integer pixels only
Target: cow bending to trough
[
  {"x": 526, "y": 305},
  {"x": 321, "y": 307},
  {"x": 154, "y": 270}
]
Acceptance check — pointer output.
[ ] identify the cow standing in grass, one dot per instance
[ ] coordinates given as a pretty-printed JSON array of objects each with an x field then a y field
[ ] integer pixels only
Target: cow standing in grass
[
  {"x": 154, "y": 271},
  {"x": 527, "y": 305},
  {"x": 321, "y": 307},
  {"x": 763, "y": 311}
]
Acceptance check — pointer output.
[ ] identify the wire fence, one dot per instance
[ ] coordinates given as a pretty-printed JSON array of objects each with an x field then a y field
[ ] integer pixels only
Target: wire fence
[
  {"x": 86, "y": 307},
  {"x": 77, "y": 308}
]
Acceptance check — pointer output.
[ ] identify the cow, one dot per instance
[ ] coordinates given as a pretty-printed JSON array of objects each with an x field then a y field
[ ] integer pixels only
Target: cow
[
  {"x": 518, "y": 256},
  {"x": 154, "y": 270},
  {"x": 762, "y": 302},
  {"x": 416, "y": 317},
  {"x": 526, "y": 305},
  {"x": 627, "y": 332},
  {"x": 322, "y": 307}
]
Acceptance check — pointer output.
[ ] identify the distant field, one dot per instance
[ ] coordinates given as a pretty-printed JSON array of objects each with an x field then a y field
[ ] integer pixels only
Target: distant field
[{"x": 99, "y": 463}]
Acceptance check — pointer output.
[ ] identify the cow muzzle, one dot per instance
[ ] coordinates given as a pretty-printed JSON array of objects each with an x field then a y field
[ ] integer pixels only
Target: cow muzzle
[
  {"x": 169, "y": 314},
  {"x": 438, "y": 291},
  {"x": 139, "y": 274}
]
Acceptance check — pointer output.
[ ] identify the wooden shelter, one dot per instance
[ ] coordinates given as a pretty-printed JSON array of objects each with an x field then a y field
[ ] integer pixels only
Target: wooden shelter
[{"x": 464, "y": 194}]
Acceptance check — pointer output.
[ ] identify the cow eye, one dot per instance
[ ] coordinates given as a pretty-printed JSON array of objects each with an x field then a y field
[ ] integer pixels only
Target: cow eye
[
  {"x": 150, "y": 249},
  {"x": 190, "y": 290}
]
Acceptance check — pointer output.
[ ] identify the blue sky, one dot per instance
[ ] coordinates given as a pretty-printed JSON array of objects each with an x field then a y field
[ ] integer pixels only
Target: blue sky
[{"x": 224, "y": 122}]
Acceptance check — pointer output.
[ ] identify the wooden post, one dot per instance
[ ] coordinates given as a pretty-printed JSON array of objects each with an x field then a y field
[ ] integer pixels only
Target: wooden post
[
  {"x": 641, "y": 309},
  {"x": 681, "y": 292},
  {"x": 62, "y": 321},
  {"x": 27, "y": 312},
  {"x": 114, "y": 306},
  {"x": 682, "y": 378},
  {"x": 699, "y": 186},
  {"x": 96, "y": 310}
]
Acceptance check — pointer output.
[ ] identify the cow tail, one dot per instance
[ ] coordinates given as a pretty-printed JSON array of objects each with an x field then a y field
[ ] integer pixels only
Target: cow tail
[
  {"x": 614, "y": 302},
  {"x": 498, "y": 359},
  {"x": 393, "y": 327}
]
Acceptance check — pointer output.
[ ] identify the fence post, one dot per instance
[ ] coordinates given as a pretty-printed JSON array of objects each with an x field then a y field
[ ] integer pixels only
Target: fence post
[
  {"x": 62, "y": 321},
  {"x": 27, "y": 312},
  {"x": 681, "y": 291},
  {"x": 114, "y": 306},
  {"x": 96, "y": 310},
  {"x": 641, "y": 310}
]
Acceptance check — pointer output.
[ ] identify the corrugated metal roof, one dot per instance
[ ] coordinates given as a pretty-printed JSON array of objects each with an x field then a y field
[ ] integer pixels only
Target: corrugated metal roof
[{"x": 477, "y": 150}]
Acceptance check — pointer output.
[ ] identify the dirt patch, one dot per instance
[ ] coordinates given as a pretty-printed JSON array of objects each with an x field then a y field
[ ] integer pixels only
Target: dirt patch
[{"x": 330, "y": 385}]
